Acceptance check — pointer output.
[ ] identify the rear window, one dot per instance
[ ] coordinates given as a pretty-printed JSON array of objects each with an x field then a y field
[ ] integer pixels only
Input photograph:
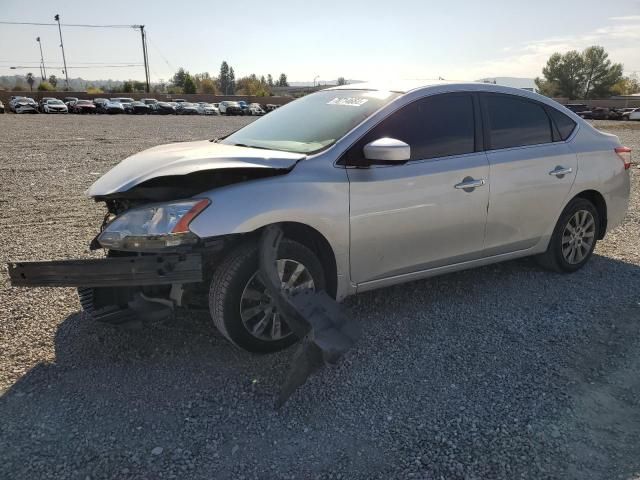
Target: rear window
[
  {"x": 516, "y": 123},
  {"x": 565, "y": 124}
]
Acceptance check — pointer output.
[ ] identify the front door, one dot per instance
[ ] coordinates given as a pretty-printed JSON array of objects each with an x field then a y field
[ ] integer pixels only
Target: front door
[{"x": 430, "y": 211}]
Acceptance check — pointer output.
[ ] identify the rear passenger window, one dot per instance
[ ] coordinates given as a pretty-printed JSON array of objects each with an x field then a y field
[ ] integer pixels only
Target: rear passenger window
[
  {"x": 565, "y": 124},
  {"x": 437, "y": 126},
  {"x": 516, "y": 123}
]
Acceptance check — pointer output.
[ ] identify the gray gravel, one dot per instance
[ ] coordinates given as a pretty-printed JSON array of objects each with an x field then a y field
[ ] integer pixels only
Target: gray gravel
[{"x": 501, "y": 372}]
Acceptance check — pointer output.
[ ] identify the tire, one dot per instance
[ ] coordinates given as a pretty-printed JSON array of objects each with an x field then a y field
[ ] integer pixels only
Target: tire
[
  {"x": 235, "y": 274},
  {"x": 554, "y": 259}
]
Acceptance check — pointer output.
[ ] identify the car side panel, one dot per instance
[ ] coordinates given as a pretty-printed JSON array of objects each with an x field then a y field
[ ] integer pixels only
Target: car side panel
[
  {"x": 314, "y": 193},
  {"x": 600, "y": 169},
  {"x": 525, "y": 199}
]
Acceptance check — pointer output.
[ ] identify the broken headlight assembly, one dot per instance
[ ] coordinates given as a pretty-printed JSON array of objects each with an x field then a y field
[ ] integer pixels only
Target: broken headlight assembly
[{"x": 153, "y": 227}]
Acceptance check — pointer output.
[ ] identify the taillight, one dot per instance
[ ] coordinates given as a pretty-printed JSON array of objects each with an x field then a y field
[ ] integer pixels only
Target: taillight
[{"x": 625, "y": 155}]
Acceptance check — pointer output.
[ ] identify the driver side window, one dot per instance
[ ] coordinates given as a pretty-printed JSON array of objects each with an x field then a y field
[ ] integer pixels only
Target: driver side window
[{"x": 436, "y": 126}]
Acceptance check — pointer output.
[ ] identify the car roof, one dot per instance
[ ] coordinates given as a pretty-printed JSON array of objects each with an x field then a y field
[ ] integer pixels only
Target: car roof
[
  {"x": 400, "y": 86},
  {"x": 443, "y": 86}
]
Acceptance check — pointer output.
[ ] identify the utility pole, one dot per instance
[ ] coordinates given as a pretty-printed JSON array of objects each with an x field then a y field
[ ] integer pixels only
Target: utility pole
[
  {"x": 64, "y": 60},
  {"x": 144, "y": 55},
  {"x": 43, "y": 70}
]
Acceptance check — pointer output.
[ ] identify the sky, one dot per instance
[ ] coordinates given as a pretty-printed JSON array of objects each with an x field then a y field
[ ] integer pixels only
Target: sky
[{"x": 364, "y": 40}]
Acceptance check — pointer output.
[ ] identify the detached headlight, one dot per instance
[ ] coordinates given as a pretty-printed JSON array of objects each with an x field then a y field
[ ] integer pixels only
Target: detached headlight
[{"x": 154, "y": 227}]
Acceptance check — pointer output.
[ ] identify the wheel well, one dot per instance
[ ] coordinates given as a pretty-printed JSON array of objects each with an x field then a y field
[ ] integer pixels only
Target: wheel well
[
  {"x": 598, "y": 201},
  {"x": 318, "y": 244}
]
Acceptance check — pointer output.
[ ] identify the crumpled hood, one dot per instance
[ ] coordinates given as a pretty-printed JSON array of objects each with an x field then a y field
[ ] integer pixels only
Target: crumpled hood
[{"x": 184, "y": 158}]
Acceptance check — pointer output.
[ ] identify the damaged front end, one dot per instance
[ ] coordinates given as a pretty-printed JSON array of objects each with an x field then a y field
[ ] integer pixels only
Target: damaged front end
[{"x": 154, "y": 263}]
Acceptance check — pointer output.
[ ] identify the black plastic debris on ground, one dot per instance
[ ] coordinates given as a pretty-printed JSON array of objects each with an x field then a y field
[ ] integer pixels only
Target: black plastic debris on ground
[{"x": 326, "y": 331}]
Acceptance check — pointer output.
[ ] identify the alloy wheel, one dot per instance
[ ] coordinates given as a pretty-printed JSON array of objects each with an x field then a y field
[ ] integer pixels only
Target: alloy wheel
[
  {"x": 257, "y": 309},
  {"x": 578, "y": 237}
]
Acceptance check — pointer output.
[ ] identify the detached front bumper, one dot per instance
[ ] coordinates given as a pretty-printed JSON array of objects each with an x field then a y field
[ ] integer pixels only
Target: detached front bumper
[
  {"x": 109, "y": 272},
  {"x": 118, "y": 290}
]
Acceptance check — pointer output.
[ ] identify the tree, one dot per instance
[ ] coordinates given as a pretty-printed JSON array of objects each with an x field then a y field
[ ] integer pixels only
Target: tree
[
  {"x": 574, "y": 75},
  {"x": 53, "y": 80},
  {"x": 93, "y": 90},
  {"x": 189, "y": 84},
  {"x": 270, "y": 80},
  {"x": 45, "y": 87},
  {"x": 252, "y": 86},
  {"x": 179, "y": 77},
  {"x": 223, "y": 78},
  {"x": 342, "y": 81},
  {"x": 139, "y": 86},
  {"x": 626, "y": 86},
  {"x": 600, "y": 73},
  {"x": 563, "y": 75},
  {"x": 282, "y": 82},
  {"x": 30, "y": 80},
  {"x": 232, "y": 82},
  {"x": 127, "y": 87},
  {"x": 207, "y": 85}
]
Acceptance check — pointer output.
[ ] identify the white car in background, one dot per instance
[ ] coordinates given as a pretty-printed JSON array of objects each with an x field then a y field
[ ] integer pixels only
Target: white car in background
[
  {"x": 23, "y": 105},
  {"x": 228, "y": 107},
  {"x": 635, "y": 115},
  {"x": 256, "y": 109},
  {"x": 54, "y": 105},
  {"x": 205, "y": 108}
]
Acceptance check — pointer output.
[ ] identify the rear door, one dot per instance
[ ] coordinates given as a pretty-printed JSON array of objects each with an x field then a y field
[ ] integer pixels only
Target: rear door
[
  {"x": 419, "y": 215},
  {"x": 532, "y": 170}
]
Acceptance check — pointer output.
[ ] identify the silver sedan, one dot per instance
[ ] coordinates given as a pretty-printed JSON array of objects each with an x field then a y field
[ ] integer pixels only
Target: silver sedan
[{"x": 373, "y": 185}]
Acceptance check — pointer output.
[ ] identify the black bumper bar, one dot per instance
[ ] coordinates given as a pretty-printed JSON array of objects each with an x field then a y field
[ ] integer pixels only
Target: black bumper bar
[{"x": 109, "y": 272}]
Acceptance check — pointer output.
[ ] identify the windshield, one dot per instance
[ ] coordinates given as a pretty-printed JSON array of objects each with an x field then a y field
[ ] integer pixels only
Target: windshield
[
  {"x": 55, "y": 102},
  {"x": 311, "y": 123}
]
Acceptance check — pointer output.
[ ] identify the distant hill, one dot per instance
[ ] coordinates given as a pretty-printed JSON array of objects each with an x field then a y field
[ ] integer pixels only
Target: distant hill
[
  {"x": 7, "y": 82},
  {"x": 515, "y": 82},
  {"x": 76, "y": 84}
]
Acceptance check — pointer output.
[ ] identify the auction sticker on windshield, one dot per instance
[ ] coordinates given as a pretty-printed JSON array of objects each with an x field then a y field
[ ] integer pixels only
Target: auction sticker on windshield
[{"x": 348, "y": 102}]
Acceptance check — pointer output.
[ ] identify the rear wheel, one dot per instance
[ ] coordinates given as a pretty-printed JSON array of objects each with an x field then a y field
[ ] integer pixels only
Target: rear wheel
[
  {"x": 240, "y": 306},
  {"x": 574, "y": 238}
]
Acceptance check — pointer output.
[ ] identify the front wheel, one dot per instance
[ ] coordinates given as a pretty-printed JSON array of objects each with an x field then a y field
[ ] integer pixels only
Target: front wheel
[
  {"x": 574, "y": 238},
  {"x": 239, "y": 303}
]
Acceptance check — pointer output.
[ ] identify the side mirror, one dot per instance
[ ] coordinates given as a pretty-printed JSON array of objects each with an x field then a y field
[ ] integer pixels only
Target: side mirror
[{"x": 387, "y": 150}]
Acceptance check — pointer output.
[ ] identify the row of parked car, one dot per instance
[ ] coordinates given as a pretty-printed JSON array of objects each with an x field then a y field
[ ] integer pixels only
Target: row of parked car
[
  {"x": 145, "y": 106},
  {"x": 604, "y": 113}
]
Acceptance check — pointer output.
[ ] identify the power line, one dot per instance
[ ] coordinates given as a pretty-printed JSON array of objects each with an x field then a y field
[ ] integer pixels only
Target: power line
[
  {"x": 23, "y": 62},
  {"x": 24, "y": 67},
  {"x": 85, "y": 25},
  {"x": 173, "y": 68},
  {"x": 81, "y": 25}
]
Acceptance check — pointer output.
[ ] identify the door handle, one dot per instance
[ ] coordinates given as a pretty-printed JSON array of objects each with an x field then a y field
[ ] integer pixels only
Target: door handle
[
  {"x": 469, "y": 183},
  {"x": 561, "y": 171}
]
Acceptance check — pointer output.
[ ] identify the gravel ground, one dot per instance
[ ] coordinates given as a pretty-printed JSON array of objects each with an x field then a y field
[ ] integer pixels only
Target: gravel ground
[{"x": 505, "y": 372}]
